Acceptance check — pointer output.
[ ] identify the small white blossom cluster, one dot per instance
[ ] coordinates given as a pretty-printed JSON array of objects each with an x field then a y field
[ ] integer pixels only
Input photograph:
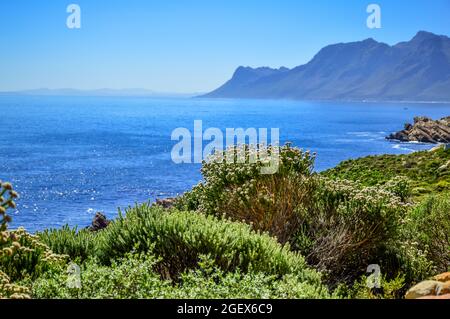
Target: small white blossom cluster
[
  {"x": 239, "y": 168},
  {"x": 18, "y": 245}
]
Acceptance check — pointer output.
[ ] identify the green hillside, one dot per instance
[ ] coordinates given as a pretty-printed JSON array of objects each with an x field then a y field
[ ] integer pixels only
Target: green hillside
[{"x": 429, "y": 171}]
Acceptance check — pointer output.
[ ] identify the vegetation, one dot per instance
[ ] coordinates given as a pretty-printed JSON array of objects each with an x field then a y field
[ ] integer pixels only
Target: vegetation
[
  {"x": 245, "y": 234},
  {"x": 22, "y": 255},
  {"x": 428, "y": 171}
]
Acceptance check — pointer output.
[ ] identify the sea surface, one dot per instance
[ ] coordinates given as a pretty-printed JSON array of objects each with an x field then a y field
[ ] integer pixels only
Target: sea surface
[{"x": 70, "y": 157}]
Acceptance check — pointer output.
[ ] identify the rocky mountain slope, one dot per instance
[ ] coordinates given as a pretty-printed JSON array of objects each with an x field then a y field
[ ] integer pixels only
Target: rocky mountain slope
[{"x": 416, "y": 70}]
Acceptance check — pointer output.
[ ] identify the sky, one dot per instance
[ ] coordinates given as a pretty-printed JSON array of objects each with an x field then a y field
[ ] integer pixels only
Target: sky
[{"x": 186, "y": 46}]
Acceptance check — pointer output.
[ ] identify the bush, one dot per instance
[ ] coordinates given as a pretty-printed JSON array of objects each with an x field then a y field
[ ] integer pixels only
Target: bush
[
  {"x": 428, "y": 228},
  {"x": 22, "y": 255},
  {"x": 274, "y": 204},
  {"x": 349, "y": 227},
  {"x": 134, "y": 277},
  {"x": 179, "y": 238},
  {"x": 240, "y": 191},
  {"x": 76, "y": 244},
  {"x": 389, "y": 289},
  {"x": 427, "y": 171},
  {"x": 128, "y": 277},
  {"x": 339, "y": 226},
  {"x": 222, "y": 176}
]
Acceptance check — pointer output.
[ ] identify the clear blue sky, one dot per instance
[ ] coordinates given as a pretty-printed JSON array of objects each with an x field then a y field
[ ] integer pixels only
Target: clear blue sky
[{"x": 186, "y": 45}]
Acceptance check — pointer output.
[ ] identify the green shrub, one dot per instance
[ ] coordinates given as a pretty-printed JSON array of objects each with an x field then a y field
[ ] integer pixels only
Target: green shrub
[
  {"x": 76, "y": 244},
  {"x": 442, "y": 186},
  {"x": 389, "y": 289},
  {"x": 428, "y": 227},
  {"x": 427, "y": 171},
  {"x": 134, "y": 277},
  {"x": 273, "y": 204},
  {"x": 349, "y": 227},
  {"x": 223, "y": 176},
  {"x": 128, "y": 277},
  {"x": 339, "y": 226},
  {"x": 22, "y": 255},
  {"x": 179, "y": 238}
]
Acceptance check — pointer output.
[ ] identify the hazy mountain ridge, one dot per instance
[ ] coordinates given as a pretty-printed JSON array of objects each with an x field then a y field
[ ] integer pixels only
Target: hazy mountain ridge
[
  {"x": 133, "y": 92},
  {"x": 416, "y": 70}
]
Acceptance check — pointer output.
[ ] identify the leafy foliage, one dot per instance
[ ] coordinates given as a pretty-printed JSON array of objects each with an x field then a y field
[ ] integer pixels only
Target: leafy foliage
[
  {"x": 179, "y": 238},
  {"x": 389, "y": 289},
  {"x": 69, "y": 241},
  {"x": 21, "y": 255},
  {"x": 245, "y": 234},
  {"x": 222, "y": 176},
  {"x": 428, "y": 228},
  {"x": 133, "y": 276},
  {"x": 349, "y": 227},
  {"x": 428, "y": 171}
]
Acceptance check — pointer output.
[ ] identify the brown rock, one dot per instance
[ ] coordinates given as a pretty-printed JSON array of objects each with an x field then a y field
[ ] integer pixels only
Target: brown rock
[
  {"x": 166, "y": 202},
  {"x": 99, "y": 222},
  {"x": 445, "y": 297},
  {"x": 443, "y": 289},
  {"x": 424, "y": 130},
  {"x": 442, "y": 277},
  {"x": 422, "y": 289}
]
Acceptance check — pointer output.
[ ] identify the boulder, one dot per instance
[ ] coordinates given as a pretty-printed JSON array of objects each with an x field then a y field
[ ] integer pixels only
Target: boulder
[
  {"x": 165, "y": 202},
  {"x": 444, "y": 277},
  {"x": 99, "y": 222},
  {"x": 422, "y": 289},
  {"x": 443, "y": 289},
  {"x": 436, "y": 288},
  {"x": 445, "y": 297}
]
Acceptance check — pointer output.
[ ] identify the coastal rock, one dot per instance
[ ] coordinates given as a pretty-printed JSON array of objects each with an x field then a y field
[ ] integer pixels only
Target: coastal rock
[
  {"x": 165, "y": 202},
  {"x": 444, "y": 277},
  {"x": 422, "y": 289},
  {"x": 444, "y": 289},
  {"x": 445, "y": 297},
  {"x": 436, "y": 288},
  {"x": 424, "y": 130},
  {"x": 99, "y": 222}
]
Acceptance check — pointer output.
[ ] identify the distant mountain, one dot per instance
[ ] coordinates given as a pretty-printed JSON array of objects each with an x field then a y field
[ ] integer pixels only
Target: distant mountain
[
  {"x": 417, "y": 70},
  {"x": 96, "y": 92}
]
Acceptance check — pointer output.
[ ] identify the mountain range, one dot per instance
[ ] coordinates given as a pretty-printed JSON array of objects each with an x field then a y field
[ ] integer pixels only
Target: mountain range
[
  {"x": 415, "y": 70},
  {"x": 133, "y": 92}
]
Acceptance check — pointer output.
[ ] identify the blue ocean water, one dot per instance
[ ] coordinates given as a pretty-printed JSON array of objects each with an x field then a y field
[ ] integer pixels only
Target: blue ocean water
[{"x": 70, "y": 157}]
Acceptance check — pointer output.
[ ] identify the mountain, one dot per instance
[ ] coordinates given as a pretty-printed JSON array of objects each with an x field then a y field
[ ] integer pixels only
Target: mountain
[
  {"x": 416, "y": 70},
  {"x": 96, "y": 92}
]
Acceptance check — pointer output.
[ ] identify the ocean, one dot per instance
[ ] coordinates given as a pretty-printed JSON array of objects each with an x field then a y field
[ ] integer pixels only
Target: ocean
[{"x": 69, "y": 157}]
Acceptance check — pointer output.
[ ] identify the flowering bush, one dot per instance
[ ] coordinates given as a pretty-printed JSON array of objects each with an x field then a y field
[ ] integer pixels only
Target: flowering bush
[
  {"x": 241, "y": 191},
  {"x": 428, "y": 228},
  {"x": 349, "y": 227},
  {"x": 338, "y": 225},
  {"x": 22, "y": 255}
]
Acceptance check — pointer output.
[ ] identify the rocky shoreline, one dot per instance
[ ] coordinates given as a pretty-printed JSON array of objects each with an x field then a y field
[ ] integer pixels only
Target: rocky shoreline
[{"x": 424, "y": 130}]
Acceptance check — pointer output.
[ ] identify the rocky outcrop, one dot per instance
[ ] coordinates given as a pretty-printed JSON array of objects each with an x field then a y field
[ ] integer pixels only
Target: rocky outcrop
[
  {"x": 99, "y": 222},
  {"x": 424, "y": 130},
  {"x": 165, "y": 202},
  {"x": 437, "y": 287}
]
